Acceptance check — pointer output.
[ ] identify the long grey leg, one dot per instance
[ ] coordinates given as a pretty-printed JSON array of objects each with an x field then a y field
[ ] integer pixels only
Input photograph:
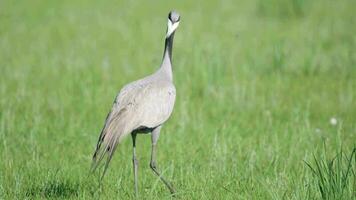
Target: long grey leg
[
  {"x": 134, "y": 161},
  {"x": 155, "y": 136}
]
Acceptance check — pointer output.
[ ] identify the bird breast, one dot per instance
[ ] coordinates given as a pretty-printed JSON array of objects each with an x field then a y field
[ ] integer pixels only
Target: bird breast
[
  {"x": 157, "y": 104},
  {"x": 150, "y": 103}
]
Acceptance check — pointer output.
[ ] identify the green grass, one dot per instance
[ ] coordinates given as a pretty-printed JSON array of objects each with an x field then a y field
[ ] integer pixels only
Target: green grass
[
  {"x": 337, "y": 176},
  {"x": 257, "y": 84}
]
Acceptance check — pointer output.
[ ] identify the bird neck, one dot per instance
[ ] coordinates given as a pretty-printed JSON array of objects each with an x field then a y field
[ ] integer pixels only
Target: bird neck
[
  {"x": 168, "y": 46},
  {"x": 166, "y": 66}
]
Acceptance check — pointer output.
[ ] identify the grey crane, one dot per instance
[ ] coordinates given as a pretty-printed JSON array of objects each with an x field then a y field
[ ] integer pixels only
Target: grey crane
[{"x": 141, "y": 107}]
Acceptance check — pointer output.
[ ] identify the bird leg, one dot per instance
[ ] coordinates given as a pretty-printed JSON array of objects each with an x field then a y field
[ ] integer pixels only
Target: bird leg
[
  {"x": 134, "y": 161},
  {"x": 155, "y": 136}
]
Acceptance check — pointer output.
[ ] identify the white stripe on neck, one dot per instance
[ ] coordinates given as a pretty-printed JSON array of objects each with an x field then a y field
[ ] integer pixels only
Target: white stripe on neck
[{"x": 171, "y": 28}]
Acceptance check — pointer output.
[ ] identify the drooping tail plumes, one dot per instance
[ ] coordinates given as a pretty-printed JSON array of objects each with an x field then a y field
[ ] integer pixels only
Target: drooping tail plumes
[{"x": 113, "y": 131}]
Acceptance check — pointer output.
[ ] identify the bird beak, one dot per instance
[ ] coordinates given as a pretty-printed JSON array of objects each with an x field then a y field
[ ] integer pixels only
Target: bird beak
[{"x": 171, "y": 27}]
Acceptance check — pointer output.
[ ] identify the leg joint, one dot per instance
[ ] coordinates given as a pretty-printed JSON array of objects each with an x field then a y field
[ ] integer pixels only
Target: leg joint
[{"x": 153, "y": 165}]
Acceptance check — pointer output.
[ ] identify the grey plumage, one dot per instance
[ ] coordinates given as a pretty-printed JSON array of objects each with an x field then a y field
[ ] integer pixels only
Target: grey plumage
[{"x": 141, "y": 107}]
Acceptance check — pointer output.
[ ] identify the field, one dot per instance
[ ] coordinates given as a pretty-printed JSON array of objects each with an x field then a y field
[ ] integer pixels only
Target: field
[{"x": 265, "y": 109}]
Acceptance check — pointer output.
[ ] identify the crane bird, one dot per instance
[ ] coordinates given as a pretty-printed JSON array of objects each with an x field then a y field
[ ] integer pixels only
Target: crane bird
[{"x": 141, "y": 107}]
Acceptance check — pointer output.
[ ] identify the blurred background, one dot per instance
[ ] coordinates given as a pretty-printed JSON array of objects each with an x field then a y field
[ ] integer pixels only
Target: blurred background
[{"x": 266, "y": 93}]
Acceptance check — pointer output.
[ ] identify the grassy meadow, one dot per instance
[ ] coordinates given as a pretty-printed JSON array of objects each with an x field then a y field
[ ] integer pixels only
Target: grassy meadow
[{"x": 265, "y": 108}]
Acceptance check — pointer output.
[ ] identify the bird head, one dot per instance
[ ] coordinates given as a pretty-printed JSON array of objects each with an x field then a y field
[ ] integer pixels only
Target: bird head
[{"x": 173, "y": 22}]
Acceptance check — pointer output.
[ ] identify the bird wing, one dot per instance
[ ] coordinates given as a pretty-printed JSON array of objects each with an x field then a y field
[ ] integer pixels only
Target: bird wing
[
  {"x": 139, "y": 104},
  {"x": 119, "y": 123}
]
